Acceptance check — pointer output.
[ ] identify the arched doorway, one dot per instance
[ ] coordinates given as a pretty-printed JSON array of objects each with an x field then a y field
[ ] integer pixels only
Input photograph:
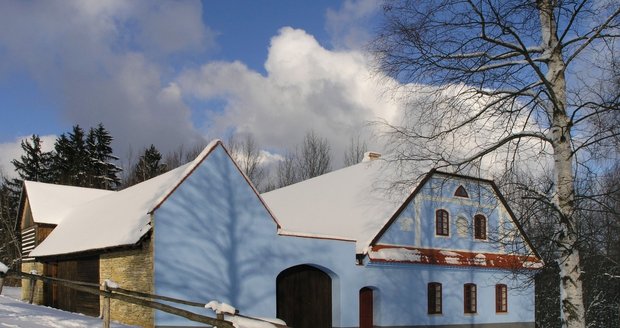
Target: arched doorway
[
  {"x": 304, "y": 297},
  {"x": 366, "y": 308}
]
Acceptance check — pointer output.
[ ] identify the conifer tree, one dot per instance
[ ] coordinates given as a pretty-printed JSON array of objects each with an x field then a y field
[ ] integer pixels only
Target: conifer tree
[
  {"x": 102, "y": 173},
  {"x": 33, "y": 165},
  {"x": 71, "y": 159},
  {"x": 149, "y": 166},
  {"x": 59, "y": 166}
]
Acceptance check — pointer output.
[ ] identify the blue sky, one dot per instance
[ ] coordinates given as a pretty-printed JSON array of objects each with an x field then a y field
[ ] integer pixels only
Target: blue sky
[{"x": 182, "y": 72}]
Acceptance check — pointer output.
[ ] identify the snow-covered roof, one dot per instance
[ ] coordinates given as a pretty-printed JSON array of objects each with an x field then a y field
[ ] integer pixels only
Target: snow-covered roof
[
  {"x": 47, "y": 200},
  {"x": 353, "y": 203},
  {"x": 116, "y": 219}
]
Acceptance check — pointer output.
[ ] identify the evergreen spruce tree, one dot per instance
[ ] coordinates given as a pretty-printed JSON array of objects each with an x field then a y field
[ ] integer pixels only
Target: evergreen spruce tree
[
  {"x": 103, "y": 173},
  {"x": 34, "y": 164},
  {"x": 59, "y": 167},
  {"x": 71, "y": 159},
  {"x": 149, "y": 166}
]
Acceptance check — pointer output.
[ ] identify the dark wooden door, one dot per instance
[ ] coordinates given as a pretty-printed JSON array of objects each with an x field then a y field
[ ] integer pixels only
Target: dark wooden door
[
  {"x": 304, "y": 297},
  {"x": 83, "y": 270},
  {"x": 366, "y": 308},
  {"x": 50, "y": 291}
]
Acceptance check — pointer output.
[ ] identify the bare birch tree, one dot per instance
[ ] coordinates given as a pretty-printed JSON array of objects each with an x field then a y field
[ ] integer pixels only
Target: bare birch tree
[
  {"x": 247, "y": 154},
  {"x": 507, "y": 76},
  {"x": 312, "y": 159},
  {"x": 355, "y": 152}
]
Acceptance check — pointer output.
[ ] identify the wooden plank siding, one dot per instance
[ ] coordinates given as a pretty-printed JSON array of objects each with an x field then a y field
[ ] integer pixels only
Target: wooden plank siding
[
  {"x": 44, "y": 230},
  {"x": 32, "y": 236},
  {"x": 83, "y": 269},
  {"x": 29, "y": 240}
]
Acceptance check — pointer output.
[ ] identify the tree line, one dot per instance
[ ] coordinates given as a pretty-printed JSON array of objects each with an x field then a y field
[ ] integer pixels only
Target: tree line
[{"x": 86, "y": 159}]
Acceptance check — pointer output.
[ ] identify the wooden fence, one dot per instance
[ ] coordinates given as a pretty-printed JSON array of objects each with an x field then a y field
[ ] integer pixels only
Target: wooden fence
[{"x": 111, "y": 291}]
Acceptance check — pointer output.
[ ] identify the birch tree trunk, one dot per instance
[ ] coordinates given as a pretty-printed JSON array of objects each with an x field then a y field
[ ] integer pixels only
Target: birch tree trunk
[{"x": 571, "y": 292}]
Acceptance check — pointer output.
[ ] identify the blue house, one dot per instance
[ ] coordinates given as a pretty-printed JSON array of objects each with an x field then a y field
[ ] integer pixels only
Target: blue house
[{"x": 340, "y": 250}]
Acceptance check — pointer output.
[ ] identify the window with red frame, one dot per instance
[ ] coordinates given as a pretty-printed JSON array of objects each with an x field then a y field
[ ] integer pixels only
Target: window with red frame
[
  {"x": 480, "y": 227},
  {"x": 469, "y": 298},
  {"x": 442, "y": 223},
  {"x": 501, "y": 298},
  {"x": 434, "y": 298}
]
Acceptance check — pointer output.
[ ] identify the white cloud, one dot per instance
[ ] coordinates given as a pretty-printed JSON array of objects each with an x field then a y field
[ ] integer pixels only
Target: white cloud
[
  {"x": 105, "y": 61},
  {"x": 13, "y": 150},
  {"x": 306, "y": 88},
  {"x": 266, "y": 158},
  {"x": 350, "y": 25}
]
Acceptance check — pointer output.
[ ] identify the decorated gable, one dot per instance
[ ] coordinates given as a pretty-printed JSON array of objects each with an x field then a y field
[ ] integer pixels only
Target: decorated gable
[{"x": 454, "y": 220}]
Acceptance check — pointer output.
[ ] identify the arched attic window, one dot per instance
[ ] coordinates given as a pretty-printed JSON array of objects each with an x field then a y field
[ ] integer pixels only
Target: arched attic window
[{"x": 461, "y": 192}]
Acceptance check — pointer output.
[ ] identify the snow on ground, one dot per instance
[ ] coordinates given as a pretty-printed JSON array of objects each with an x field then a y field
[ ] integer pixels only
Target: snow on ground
[{"x": 17, "y": 314}]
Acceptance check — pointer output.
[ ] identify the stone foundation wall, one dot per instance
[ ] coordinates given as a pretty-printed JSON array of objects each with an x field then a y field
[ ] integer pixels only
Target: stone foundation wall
[
  {"x": 131, "y": 269},
  {"x": 38, "y": 293}
]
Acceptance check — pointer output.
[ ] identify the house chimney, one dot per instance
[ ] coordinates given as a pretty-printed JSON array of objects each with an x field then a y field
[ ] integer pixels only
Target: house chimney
[{"x": 371, "y": 156}]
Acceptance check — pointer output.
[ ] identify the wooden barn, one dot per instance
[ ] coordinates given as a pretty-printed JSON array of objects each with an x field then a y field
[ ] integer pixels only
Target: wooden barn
[
  {"x": 39, "y": 203},
  {"x": 333, "y": 251}
]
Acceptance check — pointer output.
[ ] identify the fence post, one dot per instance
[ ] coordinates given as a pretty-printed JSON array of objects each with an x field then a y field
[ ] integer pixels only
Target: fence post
[
  {"x": 33, "y": 284},
  {"x": 106, "y": 305}
]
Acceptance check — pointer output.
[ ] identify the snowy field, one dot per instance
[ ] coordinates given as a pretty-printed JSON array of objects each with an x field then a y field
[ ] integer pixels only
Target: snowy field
[{"x": 17, "y": 314}]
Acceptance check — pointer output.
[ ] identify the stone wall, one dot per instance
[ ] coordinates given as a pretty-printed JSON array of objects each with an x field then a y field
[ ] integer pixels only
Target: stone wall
[
  {"x": 133, "y": 270},
  {"x": 38, "y": 294}
]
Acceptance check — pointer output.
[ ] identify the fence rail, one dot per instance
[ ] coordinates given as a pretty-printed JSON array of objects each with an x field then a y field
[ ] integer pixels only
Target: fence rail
[{"x": 130, "y": 296}]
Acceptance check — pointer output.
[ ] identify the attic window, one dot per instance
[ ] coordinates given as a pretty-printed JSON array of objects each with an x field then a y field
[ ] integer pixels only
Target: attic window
[{"x": 461, "y": 192}]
